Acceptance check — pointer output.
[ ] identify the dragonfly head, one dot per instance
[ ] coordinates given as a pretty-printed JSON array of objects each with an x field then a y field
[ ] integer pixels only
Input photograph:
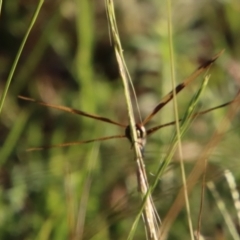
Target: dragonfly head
[{"x": 141, "y": 135}]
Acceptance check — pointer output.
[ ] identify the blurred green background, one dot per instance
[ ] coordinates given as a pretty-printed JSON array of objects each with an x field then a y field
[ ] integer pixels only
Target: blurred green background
[{"x": 89, "y": 191}]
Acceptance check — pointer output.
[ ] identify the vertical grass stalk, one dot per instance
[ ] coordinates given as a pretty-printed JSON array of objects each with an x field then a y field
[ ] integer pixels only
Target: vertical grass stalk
[
  {"x": 150, "y": 219},
  {"x": 173, "y": 79}
]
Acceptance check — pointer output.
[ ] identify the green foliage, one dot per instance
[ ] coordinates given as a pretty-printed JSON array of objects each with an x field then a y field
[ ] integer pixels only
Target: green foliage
[{"x": 89, "y": 191}]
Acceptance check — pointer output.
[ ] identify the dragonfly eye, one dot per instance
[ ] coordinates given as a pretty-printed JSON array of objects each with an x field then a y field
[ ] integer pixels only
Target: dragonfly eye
[{"x": 141, "y": 134}]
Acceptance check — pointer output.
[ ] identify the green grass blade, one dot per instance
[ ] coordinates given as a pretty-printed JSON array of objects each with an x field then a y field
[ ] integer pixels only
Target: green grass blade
[
  {"x": 0, "y": 7},
  {"x": 10, "y": 76},
  {"x": 183, "y": 127},
  {"x": 13, "y": 137}
]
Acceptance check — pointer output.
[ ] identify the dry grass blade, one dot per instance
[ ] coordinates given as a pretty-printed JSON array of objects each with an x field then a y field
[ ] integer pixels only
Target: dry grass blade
[
  {"x": 234, "y": 192},
  {"x": 149, "y": 213},
  {"x": 199, "y": 166},
  {"x": 223, "y": 209}
]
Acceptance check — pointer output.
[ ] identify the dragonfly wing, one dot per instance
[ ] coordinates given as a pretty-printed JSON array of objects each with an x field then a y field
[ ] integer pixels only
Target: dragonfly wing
[
  {"x": 181, "y": 86},
  {"x": 73, "y": 111},
  {"x": 74, "y": 143},
  {"x": 154, "y": 129}
]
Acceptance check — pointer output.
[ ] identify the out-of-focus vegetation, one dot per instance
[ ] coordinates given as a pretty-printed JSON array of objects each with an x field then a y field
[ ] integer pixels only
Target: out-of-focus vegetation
[{"x": 89, "y": 191}]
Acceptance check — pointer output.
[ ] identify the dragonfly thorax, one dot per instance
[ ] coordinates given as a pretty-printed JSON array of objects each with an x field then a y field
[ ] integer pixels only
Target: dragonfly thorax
[{"x": 141, "y": 134}]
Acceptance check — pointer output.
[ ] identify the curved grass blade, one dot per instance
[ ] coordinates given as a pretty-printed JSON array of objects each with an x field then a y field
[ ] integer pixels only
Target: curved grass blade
[{"x": 10, "y": 76}]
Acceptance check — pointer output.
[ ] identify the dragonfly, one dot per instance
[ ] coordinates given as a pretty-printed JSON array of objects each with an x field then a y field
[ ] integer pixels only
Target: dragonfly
[{"x": 142, "y": 133}]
